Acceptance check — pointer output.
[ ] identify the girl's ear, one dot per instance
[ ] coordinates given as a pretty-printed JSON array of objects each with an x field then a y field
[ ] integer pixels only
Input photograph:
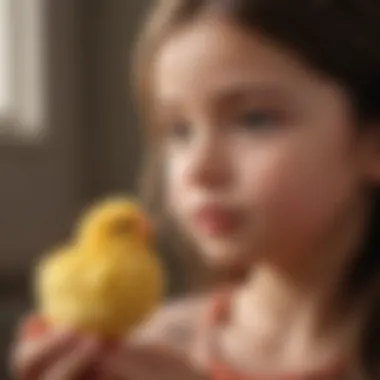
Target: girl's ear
[{"x": 371, "y": 154}]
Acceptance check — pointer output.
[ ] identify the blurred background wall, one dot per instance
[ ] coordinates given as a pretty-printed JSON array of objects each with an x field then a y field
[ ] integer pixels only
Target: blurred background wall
[{"x": 88, "y": 144}]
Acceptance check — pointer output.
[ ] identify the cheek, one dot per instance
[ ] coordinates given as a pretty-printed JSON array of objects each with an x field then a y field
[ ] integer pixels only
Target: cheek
[
  {"x": 298, "y": 190},
  {"x": 175, "y": 188}
]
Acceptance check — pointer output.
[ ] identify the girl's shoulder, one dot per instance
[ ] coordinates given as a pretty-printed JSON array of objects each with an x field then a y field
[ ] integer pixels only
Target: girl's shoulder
[{"x": 176, "y": 324}]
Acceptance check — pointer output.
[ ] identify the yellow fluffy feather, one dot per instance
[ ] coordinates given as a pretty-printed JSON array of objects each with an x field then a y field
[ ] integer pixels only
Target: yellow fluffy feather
[{"x": 108, "y": 279}]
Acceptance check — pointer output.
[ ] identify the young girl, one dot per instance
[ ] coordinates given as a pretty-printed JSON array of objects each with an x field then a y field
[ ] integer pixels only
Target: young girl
[{"x": 264, "y": 117}]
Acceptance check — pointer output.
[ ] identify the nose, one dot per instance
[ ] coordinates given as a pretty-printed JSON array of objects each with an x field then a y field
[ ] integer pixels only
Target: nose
[{"x": 209, "y": 166}]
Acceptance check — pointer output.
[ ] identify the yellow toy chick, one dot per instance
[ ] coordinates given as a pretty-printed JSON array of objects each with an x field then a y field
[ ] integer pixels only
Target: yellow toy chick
[{"x": 108, "y": 279}]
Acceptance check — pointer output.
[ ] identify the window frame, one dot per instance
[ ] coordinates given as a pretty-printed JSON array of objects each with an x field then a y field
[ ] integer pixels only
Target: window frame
[{"x": 15, "y": 133}]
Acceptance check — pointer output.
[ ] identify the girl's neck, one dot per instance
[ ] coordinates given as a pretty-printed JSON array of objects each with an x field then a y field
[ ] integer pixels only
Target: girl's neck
[
  {"x": 283, "y": 328},
  {"x": 285, "y": 318}
]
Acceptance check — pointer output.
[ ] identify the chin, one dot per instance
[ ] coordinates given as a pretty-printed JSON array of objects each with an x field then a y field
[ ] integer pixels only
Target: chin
[{"x": 226, "y": 255}]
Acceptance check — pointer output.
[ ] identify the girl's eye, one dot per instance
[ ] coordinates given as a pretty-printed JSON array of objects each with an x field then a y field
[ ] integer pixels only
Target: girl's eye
[
  {"x": 180, "y": 131},
  {"x": 257, "y": 120}
]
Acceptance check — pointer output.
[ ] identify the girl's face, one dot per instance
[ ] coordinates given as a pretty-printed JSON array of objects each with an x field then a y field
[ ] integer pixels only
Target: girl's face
[{"x": 260, "y": 151}]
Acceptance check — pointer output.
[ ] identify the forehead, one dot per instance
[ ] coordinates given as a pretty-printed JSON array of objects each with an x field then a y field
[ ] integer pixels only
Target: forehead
[{"x": 211, "y": 56}]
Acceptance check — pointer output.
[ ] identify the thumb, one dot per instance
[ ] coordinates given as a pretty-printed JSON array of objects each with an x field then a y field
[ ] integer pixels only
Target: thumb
[{"x": 74, "y": 364}]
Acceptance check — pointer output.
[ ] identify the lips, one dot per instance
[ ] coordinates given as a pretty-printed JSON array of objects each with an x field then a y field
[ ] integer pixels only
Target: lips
[{"x": 216, "y": 220}]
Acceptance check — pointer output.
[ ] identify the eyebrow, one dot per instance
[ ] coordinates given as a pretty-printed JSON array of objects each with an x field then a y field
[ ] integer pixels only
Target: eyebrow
[
  {"x": 237, "y": 91},
  {"x": 232, "y": 92}
]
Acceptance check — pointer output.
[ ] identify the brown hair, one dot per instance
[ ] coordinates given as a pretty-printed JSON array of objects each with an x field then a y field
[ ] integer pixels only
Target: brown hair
[{"x": 338, "y": 38}]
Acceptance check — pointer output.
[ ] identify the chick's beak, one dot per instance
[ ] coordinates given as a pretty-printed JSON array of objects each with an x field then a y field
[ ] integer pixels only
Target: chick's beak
[{"x": 147, "y": 231}]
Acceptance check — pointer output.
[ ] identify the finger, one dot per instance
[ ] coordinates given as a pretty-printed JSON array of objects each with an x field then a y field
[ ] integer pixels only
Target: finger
[
  {"x": 119, "y": 363},
  {"x": 155, "y": 355},
  {"x": 129, "y": 371},
  {"x": 31, "y": 356},
  {"x": 75, "y": 363},
  {"x": 32, "y": 326},
  {"x": 140, "y": 363},
  {"x": 148, "y": 371}
]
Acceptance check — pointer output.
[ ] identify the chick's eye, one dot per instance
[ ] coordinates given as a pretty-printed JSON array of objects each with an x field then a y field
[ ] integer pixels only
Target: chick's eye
[{"x": 122, "y": 226}]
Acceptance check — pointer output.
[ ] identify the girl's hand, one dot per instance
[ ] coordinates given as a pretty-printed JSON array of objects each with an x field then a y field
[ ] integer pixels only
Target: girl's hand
[
  {"x": 41, "y": 354},
  {"x": 147, "y": 363}
]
